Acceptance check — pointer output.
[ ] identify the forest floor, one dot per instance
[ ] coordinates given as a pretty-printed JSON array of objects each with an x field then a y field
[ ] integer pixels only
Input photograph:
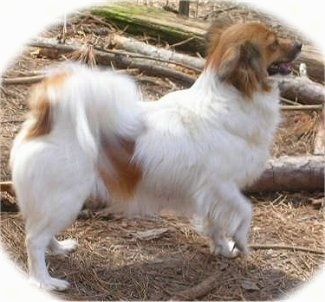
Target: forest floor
[{"x": 116, "y": 260}]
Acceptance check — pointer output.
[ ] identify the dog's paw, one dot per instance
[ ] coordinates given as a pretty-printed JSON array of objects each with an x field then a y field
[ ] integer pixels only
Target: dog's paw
[
  {"x": 63, "y": 248},
  {"x": 68, "y": 245},
  {"x": 242, "y": 247},
  {"x": 50, "y": 284},
  {"x": 226, "y": 249}
]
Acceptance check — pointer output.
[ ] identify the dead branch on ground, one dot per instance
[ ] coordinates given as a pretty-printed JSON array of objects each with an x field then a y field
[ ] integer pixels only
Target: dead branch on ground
[
  {"x": 291, "y": 173},
  {"x": 197, "y": 291},
  {"x": 286, "y": 247},
  {"x": 302, "y": 90},
  {"x": 116, "y": 58}
]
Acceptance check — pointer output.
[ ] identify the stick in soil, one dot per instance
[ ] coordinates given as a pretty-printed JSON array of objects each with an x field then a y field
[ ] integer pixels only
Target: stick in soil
[
  {"x": 286, "y": 247},
  {"x": 197, "y": 291}
]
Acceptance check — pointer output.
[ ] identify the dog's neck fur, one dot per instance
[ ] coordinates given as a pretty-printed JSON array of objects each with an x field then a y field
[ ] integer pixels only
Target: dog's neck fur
[{"x": 260, "y": 114}]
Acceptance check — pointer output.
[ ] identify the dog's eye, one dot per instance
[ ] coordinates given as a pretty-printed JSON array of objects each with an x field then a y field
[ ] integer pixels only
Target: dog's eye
[{"x": 274, "y": 45}]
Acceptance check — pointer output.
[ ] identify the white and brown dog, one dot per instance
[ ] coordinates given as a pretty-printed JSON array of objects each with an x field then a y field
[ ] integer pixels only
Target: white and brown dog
[{"x": 90, "y": 133}]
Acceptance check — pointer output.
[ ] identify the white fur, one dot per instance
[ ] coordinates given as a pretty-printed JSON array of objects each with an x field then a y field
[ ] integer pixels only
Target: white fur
[{"x": 197, "y": 148}]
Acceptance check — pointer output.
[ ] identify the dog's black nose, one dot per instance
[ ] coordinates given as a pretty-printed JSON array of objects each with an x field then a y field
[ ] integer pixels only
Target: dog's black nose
[{"x": 298, "y": 45}]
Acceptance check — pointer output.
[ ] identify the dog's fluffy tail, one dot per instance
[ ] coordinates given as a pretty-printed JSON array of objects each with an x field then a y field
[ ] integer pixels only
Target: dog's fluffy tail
[{"x": 94, "y": 104}]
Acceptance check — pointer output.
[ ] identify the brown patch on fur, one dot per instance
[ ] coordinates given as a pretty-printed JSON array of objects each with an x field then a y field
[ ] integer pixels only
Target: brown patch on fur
[
  {"x": 123, "y": 177},
  {"x": 242, "y": 53},
  {"x": 41, "y": 111},
  {"x": 40, "y": 105}
]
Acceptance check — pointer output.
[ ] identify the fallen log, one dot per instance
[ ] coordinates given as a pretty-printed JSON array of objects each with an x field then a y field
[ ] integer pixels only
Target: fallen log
[
  {"x": 26, "y": 80},
  {"x": 135, "y": 46},
  {"x": 118, "y": 58},
  {"x": 286, "y": 173},
  {"x": 291, "y": 173},
  {"x": 173, "y": 29},
  {"x": 299, "y": 89},
  {"x": 302, "y": 90},
  {"x": 314, "y": 60},
  {"x": 157, "y": 23}
]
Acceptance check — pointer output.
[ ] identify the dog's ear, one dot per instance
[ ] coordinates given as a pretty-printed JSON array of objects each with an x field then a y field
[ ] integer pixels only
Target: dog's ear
[
  {"x": 214, "y": 32},
  {"x": 242, "y": 66},
  {"x": 229, "y": 63}
]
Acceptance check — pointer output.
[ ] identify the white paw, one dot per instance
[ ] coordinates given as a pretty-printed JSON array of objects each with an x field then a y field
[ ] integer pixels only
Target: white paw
[
  {"x": 226, "y": 249},
  {"x": 50, "y": 284},
  {"x": 63, "y": 248},
  {"x": 68, "y": 245},
  {"x": 242, "y": 246}
]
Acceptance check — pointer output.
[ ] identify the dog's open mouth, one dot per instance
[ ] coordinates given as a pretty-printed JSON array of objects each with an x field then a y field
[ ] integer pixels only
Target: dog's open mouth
[{"x": 281, "y": 68}]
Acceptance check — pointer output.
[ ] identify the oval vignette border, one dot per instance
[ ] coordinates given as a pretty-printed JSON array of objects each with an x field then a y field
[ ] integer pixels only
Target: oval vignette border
[{"x": 35, "y": 15}]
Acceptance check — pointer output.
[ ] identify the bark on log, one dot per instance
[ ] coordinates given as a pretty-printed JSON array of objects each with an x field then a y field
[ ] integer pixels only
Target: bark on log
[
  {"x": 289, "y": 173},
  {"x": 135, "y": 46},
  {"x": 120, "y": 60},
  {"x": 301, "y": 90},
  {"x": 314, "y": 60}
]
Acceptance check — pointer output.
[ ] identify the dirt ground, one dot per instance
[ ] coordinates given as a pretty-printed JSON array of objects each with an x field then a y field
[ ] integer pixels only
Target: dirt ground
[{"x": 117, "y": 260}]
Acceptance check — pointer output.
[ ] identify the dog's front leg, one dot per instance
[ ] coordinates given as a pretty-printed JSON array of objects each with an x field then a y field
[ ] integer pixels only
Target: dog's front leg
[{"x": 225, "y": 218}]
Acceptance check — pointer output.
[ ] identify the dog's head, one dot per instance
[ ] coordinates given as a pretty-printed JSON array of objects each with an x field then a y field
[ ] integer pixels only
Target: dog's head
[{"x": 244, "y": 55}]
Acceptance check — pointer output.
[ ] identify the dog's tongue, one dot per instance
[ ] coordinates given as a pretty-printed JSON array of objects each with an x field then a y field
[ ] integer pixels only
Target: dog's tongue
[
  {"x": 282, "y": 68},
  {"x": 285, "y": 68}
]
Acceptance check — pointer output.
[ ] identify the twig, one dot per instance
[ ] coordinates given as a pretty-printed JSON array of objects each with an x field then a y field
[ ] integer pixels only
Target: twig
[
  {"x": 285, "y": 100},
  {"x": 196, "y": 291},
  {"x": 219, "y": 11},
  {"x": 302, "y": 107},
  {"x": 100, "y": 21},
  {"x": 22, "y": 80},
  {"x": 182, "y": 42},
  {"x": 11, "y": 121},
  {"x": 286, "y": 247}
]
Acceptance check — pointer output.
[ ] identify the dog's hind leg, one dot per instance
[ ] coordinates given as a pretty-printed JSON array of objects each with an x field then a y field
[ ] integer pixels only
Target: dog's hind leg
[
  {"x": 52, "y": 216},
  {"x": 36, "y": 244},
  {"x": 63, "y": 247}
]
